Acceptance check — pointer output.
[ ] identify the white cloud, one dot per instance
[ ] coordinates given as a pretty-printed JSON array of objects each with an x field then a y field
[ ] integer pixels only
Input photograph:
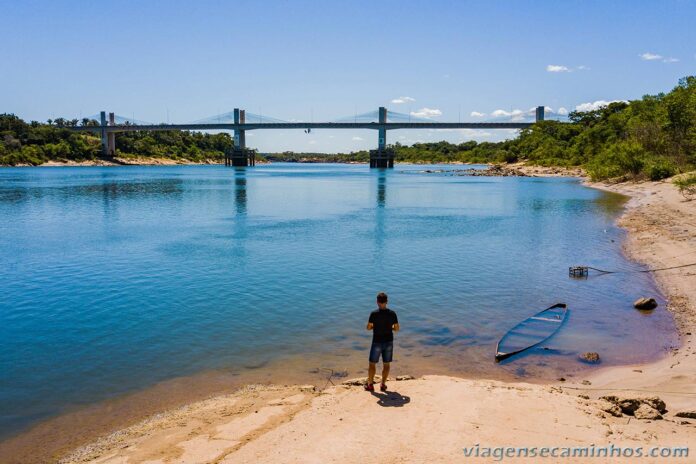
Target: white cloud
[
  {"x": 426, "y": 113},
  {"x": 562, "y": 111},
  {"x": 358, "y": 139},
  {"x": 403, "y": 100},
  {"x": 670, "y": 60},
  {"x": 476, "y": 114},
  {"x": 582, "y": 67},
  {"x": 312, "y": 142},
  {"x": 509, "y": 114},
  {"x": 500, "y": 113},
  {"x": 556, "y": 68},
  {"x": 647, "y": 56},
  {"x": 592, "y": 106}
]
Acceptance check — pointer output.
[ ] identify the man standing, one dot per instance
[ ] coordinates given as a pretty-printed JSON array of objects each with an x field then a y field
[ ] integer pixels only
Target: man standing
[{"x": 383, "y": 323}]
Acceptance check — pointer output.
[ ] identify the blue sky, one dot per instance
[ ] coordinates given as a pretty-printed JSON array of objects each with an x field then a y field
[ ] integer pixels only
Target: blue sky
[{"x": 300, "y": 60}]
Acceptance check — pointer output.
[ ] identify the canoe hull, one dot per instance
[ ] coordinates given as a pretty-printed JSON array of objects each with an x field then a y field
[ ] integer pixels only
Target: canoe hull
[{"x": 531, "y": 332}]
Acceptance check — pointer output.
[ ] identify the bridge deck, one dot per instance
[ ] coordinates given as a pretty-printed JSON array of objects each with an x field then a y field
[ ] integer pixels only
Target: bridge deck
[{"x": 307, "y": 125}]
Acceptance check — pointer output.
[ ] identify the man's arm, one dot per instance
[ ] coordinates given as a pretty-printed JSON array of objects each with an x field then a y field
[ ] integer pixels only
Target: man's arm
[
  {"x": 370, "y": 325},
  {"x": 395, "y": 327}
]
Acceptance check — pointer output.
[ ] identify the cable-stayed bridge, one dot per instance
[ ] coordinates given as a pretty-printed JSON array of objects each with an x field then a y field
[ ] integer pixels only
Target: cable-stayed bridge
[{"x": 240, "y": 121}]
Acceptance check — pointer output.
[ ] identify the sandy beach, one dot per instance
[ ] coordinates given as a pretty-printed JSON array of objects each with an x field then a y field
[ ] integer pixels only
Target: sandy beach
[{"x": 442, "y": 418}]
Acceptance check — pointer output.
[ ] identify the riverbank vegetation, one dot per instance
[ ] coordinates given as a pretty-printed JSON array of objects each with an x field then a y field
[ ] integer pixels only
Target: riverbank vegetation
[
  {"x": 650, "y": 138},
  {"x": 35, "y": 143}
]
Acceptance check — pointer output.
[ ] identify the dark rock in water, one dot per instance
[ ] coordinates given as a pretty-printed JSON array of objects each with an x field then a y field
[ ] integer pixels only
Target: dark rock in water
[
  {"x": 687, "y": 414},
  {"x": 590, "y": 357},
  {"x": 645, "y": 411},
  {"x": 645, "y": 303}
]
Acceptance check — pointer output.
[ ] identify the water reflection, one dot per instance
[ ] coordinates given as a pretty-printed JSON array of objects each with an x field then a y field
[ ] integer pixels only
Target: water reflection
[
  {"x": 240, "y": 191},
  {"x": 240, "y": 230},
  {"x": 380, "y": 213}
]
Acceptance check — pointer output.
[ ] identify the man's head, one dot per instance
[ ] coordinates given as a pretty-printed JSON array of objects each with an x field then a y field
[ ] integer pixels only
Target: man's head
[{"x": 382, "y": 300}]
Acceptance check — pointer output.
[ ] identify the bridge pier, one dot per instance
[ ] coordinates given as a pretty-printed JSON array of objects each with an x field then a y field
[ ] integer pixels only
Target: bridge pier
[
  {"x": 383, "y": 157},
  {"x": 239, "y": 155},
  {"x": 111, "y": 138},
  {"x": 108, "y": 139},
  {"x": 104, "y": 136}
]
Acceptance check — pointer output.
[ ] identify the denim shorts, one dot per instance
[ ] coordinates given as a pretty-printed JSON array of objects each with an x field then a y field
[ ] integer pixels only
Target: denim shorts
[{"x": 385, "y": 349}]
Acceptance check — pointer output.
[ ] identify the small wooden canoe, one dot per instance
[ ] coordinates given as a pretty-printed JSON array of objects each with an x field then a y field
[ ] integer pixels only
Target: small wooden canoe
[{"x": 531, "y": 332}]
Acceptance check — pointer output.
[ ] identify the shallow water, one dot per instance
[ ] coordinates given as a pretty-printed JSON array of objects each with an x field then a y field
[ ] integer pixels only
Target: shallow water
[{"x": 115, "y": 278}]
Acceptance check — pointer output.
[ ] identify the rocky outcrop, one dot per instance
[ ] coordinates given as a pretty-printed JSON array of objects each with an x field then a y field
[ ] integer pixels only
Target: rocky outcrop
[
  {"x": 686, "y": 414},
  {"x": 648, "y": 407},
  {"x": 646, "y": 412},
  {"x": 495, "y": 170},
  {"x": 609, "y": 407}
]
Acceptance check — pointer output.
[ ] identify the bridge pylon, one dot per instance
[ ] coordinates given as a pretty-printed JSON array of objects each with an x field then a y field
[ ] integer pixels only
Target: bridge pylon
[
  {"x": 383, "y": 157},
  {"x": 108, "y": 139},
  {"x": 240, "y": 155}
]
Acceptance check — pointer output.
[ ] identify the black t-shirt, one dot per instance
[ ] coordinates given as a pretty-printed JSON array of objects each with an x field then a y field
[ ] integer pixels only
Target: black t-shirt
[{"x": 382, "y": 320}]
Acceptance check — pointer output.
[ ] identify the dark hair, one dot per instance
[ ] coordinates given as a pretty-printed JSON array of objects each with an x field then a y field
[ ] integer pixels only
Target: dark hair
[{"x": 382, "y": 297}]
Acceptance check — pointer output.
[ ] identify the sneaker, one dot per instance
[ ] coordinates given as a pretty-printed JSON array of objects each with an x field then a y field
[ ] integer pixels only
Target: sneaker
[
  {"x": 369, "y": 387},
  {"x": 383, "y": 387}
]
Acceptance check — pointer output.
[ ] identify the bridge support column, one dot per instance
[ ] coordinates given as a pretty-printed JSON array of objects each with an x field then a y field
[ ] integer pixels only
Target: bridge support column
[
  {"x": 111, "y": 138},
  {"x": 239, "y": 155},
  {"x": 383, "y": 157},
  {"x": 104, "y": 136},
  {"x": 539, "y": 113}
]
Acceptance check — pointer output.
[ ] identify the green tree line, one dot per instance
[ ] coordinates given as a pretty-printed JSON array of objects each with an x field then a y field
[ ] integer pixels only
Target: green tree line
[{"x": 35, "y": 143}]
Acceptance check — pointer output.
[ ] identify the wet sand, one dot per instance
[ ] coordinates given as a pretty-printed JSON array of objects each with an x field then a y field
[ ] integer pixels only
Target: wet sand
[{"x": 430, "y": 418}]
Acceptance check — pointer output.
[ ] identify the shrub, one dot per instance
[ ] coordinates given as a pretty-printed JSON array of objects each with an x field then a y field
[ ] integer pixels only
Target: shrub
[
  {"x": 619, "y": 159},
  {"x": 686, "y": 184},
  {"x": 659, "y": 168}
]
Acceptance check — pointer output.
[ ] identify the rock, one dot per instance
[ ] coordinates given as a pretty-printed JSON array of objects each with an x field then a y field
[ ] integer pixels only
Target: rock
[
  {"x": 627, "y": 405},
  {"x": 645, "y": 303},
  {"x": 590, "y": 357},
  {"x": 584, "y": 397},
  {"x": 686, "y": 414},
  {"x": 586, "y": 382},
  {"x": 631, "y": 405},
  {"x": 307, "y": 388},
  {"x": 360, "y": 381},
  {"x": 609, "y": 407},
  {"x": 655, "y": 403},
  {"x": 647, "y": 412},
  {"x": 405, "y": 377}
]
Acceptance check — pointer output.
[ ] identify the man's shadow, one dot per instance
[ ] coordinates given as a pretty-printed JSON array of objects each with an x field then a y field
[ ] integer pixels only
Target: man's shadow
[{"x": 391, "y": 399}]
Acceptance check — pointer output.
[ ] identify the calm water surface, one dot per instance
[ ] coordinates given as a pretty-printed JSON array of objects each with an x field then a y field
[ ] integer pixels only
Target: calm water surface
[{"x": 115, "y": 278}]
